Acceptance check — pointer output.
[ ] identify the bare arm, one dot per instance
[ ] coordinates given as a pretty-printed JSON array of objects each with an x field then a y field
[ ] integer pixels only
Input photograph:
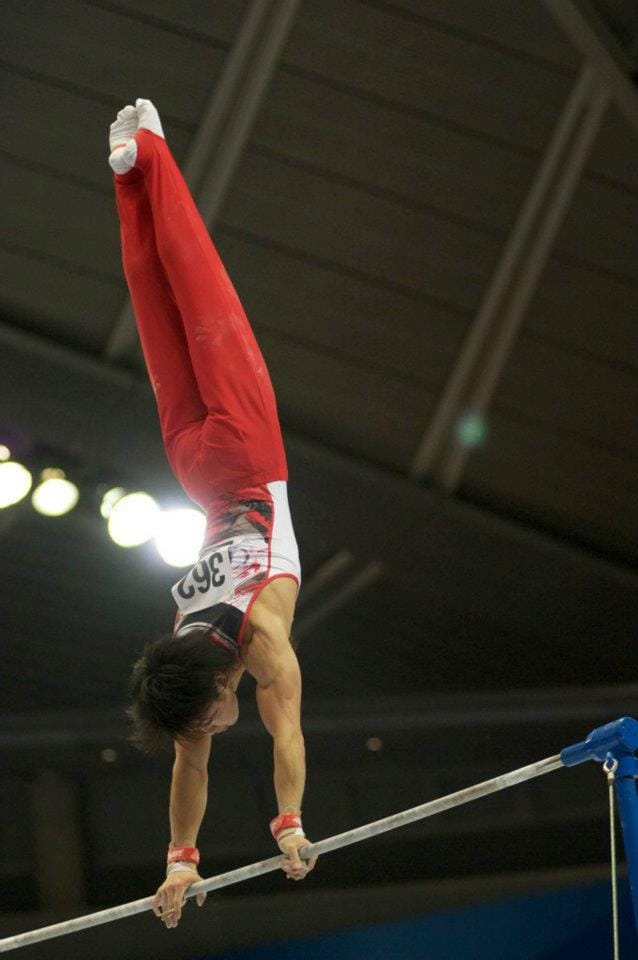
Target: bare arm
[
  {"x": 279, "y": 703},
  {"x": 189, "y": 790},
  {"x": 274, "y": 665}
]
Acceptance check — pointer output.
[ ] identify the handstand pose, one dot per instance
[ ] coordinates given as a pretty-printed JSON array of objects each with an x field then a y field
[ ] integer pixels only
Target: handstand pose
[{"x": 222, "y": 437}]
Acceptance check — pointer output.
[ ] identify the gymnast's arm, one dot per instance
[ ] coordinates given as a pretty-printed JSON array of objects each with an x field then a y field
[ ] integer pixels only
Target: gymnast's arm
[
  {"x": 189, "y": 793},
  {"x": 271, "y": 660},
  {"x": 189, "y": 790}
]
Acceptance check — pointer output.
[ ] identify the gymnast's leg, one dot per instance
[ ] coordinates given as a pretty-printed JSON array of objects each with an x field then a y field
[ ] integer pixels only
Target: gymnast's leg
[
  {"x": 180, "y": 407},
  {"x": 240, "y": 439}
]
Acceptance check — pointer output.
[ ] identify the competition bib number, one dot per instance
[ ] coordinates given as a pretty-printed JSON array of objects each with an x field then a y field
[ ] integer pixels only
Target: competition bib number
[{"x": 210, "y": 581}]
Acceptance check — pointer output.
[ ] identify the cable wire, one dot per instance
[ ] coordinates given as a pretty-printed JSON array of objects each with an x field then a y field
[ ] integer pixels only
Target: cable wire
[{"x": 610, "y": 766}]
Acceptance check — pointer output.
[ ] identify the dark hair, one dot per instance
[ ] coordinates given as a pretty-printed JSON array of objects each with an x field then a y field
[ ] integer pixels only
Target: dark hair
[{"x": 171, "y": 685}]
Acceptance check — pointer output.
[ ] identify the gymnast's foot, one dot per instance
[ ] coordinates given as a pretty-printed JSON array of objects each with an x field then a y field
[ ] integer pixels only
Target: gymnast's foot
[
  {"x": 148, "y": 117},
  {"x": 143, "y": 116},
  {"x": 121, "y": 142}
]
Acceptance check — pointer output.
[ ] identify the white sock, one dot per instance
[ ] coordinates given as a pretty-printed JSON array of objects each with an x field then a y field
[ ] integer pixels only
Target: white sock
[
  {"x": 143, "y": 116},
  {"x": 148, "y": 117},
  {"x": 123, "y": 147}
]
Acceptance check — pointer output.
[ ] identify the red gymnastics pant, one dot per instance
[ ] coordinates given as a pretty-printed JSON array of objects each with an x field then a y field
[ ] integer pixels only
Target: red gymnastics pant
[{"x": 216, "y": 404}]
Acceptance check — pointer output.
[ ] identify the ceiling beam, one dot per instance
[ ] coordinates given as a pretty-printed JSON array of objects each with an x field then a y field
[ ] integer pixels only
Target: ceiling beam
[
  {"x": 597, "y": 44},
  {"x": 442, "y": 454},
  {"x": 225, "y": 127}
]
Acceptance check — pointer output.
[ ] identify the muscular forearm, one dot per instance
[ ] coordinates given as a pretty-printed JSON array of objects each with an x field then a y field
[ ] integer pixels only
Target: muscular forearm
[
  {"x": 189, "y": 793},
  {"x": 290, "y": 772}
]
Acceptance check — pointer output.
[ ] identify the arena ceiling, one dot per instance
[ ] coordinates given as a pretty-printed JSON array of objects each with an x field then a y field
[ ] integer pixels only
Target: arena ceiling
[{"x": 363, "y": 225}]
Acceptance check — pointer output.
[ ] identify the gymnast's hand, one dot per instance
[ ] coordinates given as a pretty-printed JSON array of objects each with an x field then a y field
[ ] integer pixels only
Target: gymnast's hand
[
  {"x": 169, "y": 899},
  {"x": 292, "y": 865}
]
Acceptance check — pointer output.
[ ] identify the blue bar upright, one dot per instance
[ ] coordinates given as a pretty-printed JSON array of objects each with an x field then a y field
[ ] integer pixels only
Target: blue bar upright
[{"x": 617, "y": 740}]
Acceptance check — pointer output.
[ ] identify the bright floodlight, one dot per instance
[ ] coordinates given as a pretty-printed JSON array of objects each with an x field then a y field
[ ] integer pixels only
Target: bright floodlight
[
  {"x": 5, "y": 453},
  {"x": 15, "y": 483},
  {"x": 179, "y": 536},
  {"x": 133, "y": 520},
  {"x": 55, "y": 495},
  {"x": 109, "y": 500}
]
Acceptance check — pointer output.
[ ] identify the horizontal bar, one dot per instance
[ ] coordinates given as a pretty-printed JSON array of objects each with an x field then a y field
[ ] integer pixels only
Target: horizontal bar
[{"x": 429, "y": 809}]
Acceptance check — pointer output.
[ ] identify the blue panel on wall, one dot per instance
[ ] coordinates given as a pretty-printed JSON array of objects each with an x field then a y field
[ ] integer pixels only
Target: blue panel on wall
[{"x": 572, "y": 924}]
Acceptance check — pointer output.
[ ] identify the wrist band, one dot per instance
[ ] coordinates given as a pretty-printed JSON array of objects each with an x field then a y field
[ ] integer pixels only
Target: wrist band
[
  {"x": 283, "y": 822},
  {"x": 185, "y": 854},
  {"x": 180, "y": 865}
]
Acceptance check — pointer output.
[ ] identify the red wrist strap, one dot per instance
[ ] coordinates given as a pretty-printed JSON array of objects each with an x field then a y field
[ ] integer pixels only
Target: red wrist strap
[
  {"x": 283, "y": 822},
  {"x": 185, "y": 854}
]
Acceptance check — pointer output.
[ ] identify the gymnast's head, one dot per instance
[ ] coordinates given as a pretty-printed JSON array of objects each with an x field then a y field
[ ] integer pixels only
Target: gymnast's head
[{"x": 179, "y": 690}]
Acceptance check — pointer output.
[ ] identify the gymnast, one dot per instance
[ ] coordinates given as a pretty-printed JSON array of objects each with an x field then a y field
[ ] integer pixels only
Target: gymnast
[{"x": 219, "y": 424}]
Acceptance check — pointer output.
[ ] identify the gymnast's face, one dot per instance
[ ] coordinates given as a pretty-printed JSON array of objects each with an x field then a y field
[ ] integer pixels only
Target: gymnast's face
[{"x": 221, "y": 713}]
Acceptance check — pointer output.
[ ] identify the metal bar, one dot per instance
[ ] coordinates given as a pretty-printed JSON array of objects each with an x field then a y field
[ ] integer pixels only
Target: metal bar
[
  {"x": 273, "y": 863},
  {"x": 554, "y": 212},
  {"x": 597, "y": 44},
  {"x": 481, "y": 330}
]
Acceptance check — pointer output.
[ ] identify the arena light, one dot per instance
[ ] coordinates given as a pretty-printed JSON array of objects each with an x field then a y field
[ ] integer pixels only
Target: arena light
[
  {"x": 5, "y": 453},
  {"x": 471, "y": 430},
  {"x": 55, "y": 495},
  {"x": 110, "y": 498},
  {"x": 15, "y": 483},
  {"x": 179, "y": 537},
  {"x": 133, "y": 520}
]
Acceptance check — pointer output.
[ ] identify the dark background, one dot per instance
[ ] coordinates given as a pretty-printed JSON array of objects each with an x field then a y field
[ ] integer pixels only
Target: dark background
[{"x": 472, "y": 630}]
